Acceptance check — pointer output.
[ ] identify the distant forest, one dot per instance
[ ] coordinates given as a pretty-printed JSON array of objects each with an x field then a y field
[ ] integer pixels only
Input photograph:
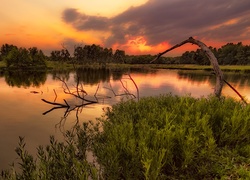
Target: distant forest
[{"x": 229, "y": 54}]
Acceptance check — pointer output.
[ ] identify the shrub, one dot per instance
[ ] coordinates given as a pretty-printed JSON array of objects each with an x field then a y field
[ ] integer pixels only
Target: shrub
[
  {"x": 57, "y": 161},
  {"x": 173, "y": 137}
]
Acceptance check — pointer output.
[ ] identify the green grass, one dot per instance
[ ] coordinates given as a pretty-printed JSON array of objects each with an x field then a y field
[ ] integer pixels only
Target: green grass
[
  {"x": 234, "y": 68},
  {"x": 164, "y": 137},
  {"x": 69, "y": 66}
]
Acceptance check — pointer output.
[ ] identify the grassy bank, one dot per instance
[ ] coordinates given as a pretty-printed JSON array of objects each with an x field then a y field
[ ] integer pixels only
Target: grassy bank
[
  {"x": 165, "y": 137},
  {"x": 234, "y": 68},
  {"x": 69, "y": 66}
]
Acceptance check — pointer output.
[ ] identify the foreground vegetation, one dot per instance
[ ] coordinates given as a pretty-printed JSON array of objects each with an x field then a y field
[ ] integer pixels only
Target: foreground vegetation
[{"x": 165, "y": 137}]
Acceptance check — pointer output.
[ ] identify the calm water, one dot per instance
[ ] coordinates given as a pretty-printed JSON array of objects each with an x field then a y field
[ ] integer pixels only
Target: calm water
[{"x": 22, "y": 110}]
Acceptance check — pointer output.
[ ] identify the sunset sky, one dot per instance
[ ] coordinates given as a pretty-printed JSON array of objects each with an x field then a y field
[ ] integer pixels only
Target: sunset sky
[{"x": 136, "y": 26}]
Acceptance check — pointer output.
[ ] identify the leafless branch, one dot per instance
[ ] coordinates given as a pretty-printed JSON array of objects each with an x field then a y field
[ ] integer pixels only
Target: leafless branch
[
  {"x": 241, "y": 97},
  {"x": 211, "y": 57}
]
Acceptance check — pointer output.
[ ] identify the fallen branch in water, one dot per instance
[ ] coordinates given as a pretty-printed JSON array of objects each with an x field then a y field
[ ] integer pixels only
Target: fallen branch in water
[
  {"x": 57, "y": 104},
  {"x": 213, "y": 60},
  {"x": 241, "y": 97}
]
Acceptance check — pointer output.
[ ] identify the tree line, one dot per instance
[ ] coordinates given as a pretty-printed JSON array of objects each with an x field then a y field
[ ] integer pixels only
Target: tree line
[
  {"x": 229, "y": 54},
  {"x": 22, "y": 57}
]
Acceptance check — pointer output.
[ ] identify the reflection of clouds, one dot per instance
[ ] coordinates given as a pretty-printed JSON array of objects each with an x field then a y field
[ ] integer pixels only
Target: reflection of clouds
[{"x": 168, "y": 81}]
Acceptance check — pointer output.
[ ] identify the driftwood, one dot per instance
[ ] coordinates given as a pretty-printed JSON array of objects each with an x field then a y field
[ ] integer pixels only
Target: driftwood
[{"x": 211, "y": 57}]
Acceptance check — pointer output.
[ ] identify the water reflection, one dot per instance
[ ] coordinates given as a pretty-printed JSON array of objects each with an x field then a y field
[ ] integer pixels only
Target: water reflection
[
  {"x": 22, "y": 112},
  {"x": 78, "y": 94},
  {"x": 93, "y": 76},
  {"x": 25, "y": 78},
  {"x": 237, "y": 78},
  {"x": 240, "y": 81}
]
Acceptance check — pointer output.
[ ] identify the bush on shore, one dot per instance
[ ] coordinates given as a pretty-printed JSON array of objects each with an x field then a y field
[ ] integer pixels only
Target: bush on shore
[{"x": 164, "y": 137}]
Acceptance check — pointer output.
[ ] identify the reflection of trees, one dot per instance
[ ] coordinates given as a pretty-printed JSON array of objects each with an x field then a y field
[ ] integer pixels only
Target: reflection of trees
[
  {"x": 63, "y": 74},
  {"x": 201, "y": 76},
  {"x": 195, "y": 75},
  {"x": 93, "y": 75},
  {"x": 119, "y": 72},
  {"x": 241, "y": 79},
  {"x": 25, "y": 78}
]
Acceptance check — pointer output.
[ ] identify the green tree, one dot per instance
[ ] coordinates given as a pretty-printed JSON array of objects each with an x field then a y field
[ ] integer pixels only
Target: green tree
[
  {"x": 63, "y": 55},
  {"x": 6, "y": 48},
  {"x": 80, "y": 54},
  {"x": 105, "y": 56},
  {"x": 119, "y": 56},
  {"x": 55, "y": 55},
  {"x": 37, "y": 56},
  {"x": 23, "y": 58},
  {"x": 18, "y": 58}
]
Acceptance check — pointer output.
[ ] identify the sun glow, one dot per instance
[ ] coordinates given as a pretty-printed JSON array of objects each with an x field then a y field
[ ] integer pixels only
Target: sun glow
[{"x": 138, "y": 45}]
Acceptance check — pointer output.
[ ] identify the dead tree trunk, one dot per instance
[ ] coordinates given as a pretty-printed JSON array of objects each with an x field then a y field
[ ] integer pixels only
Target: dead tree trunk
[{"x": 213, "y": 60}]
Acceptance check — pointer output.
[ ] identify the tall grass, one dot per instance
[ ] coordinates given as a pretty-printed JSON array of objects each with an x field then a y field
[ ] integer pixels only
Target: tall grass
[
  {"x": 174, "y": 137},
  {"x": 164, "y": 137}
]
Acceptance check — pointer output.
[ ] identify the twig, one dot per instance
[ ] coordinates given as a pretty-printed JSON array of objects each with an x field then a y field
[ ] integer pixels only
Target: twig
[
  {"x": 55, "y": 94},
  {"x": 57, "y": 104},
  {"x": 52, "y": 110},
  {"x": 137, "y": 89}
]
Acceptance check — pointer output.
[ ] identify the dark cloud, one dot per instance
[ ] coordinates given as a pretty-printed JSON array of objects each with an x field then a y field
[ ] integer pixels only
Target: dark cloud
[
  {"x": 84, "y": 22},
  {"x": 70, "y": 15},
  {"x": 93, "y": 23},
  {"x": 170, "y": 20}
]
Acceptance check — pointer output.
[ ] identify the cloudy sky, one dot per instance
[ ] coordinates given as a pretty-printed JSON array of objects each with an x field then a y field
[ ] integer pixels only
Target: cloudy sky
[{"x": 138, "y": 27}]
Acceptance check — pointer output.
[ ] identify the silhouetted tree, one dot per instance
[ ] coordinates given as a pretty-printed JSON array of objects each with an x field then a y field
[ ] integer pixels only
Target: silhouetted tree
[{"x": 119, "y": 56}]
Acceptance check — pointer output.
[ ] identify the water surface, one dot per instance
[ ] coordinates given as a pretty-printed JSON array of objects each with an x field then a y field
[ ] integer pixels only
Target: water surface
[{"x": 22, "y": 110}]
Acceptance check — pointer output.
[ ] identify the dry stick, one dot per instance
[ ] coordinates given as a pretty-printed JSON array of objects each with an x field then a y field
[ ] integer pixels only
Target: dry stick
[
  {"x": 111, "y": 89},
  {"x": 126, "y": 90},
  {"x": 135, "y": 86},
  {"x": 55, "y": 94},
  {"x": 211, "y": 57},
  {"x": 97, "y": 89},
  {"x": 57, "y": 104},
  {"x": 52, "y": 109},
  {"x": 77, "y": 96},
  {"x": 77, "y": 87},
  {"x": 236, "y": 92}
]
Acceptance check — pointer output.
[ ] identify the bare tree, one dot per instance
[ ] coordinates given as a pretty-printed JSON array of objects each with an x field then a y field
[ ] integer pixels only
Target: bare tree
[{"x": 213, "y": 60}]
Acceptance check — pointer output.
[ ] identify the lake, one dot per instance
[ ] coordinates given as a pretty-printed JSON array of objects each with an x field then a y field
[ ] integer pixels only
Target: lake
[{"x": 23, "y": 113}]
